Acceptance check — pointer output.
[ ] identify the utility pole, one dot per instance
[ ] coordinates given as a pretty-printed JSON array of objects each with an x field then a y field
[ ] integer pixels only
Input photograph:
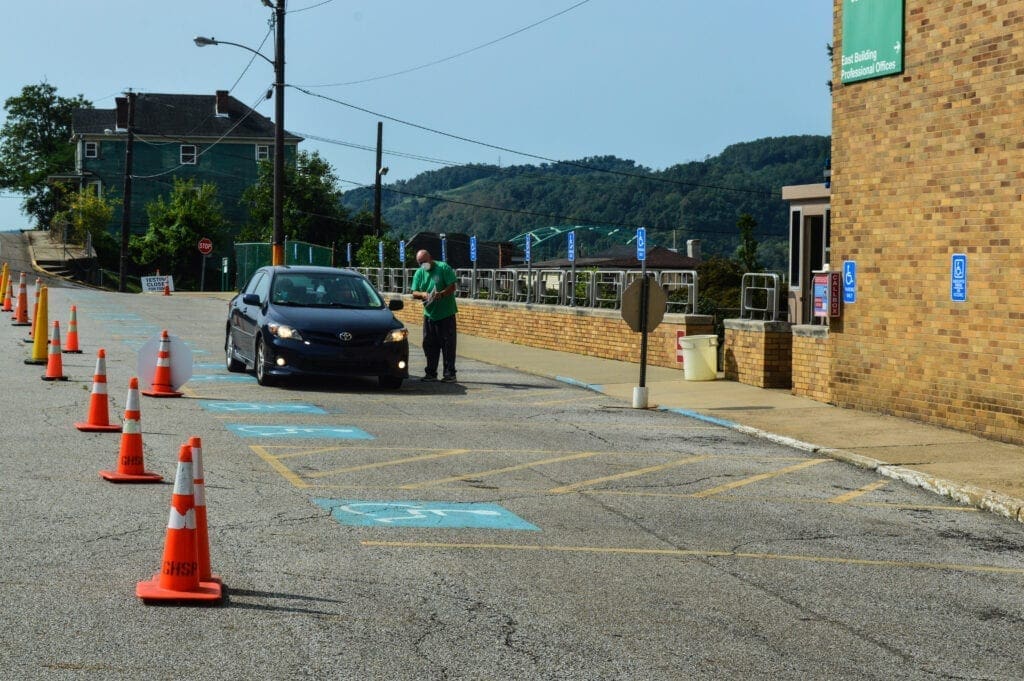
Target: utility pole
[
  {"x": 126, "y": 208},
  {"x": 376, "y": 180},
  {"x": 277, "y": 246}
]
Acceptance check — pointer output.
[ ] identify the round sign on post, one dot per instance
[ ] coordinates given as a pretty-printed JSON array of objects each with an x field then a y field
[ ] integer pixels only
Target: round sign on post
[
  {"x": 205, "y": 246},
  {"x": 656, "y": 301}
]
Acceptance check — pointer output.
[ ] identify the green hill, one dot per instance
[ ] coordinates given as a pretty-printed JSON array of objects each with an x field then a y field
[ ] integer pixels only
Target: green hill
[{"x": 696, "y": 200}]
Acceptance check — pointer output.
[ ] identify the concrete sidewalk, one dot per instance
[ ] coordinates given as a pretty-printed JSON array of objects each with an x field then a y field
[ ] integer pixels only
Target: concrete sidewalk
[{"x": 968, "y": 469}]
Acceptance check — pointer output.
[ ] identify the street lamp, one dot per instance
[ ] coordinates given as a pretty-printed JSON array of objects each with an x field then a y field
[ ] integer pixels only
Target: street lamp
[{"x": 277, "y": 240}]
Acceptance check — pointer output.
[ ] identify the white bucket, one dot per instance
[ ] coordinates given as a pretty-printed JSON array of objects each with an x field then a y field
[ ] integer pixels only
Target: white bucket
[{"x": 700, "y": 357}]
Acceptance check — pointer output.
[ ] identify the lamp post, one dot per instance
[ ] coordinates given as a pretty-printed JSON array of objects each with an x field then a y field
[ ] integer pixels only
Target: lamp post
[{"x": 277, "y": 240}]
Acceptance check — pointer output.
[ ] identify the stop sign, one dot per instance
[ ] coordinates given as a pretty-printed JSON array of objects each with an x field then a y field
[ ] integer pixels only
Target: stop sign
[
  {"x": 656, "y": 300},
  {"x": 205, "y": 246}
]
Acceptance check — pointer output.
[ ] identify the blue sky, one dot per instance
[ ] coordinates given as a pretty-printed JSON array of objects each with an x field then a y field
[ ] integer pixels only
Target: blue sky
[{"x": 657, "y": 81}]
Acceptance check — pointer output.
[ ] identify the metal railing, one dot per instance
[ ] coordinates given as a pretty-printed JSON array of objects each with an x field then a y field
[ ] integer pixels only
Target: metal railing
[
  {"x": 759, "y": 296},
  {"x": 592, "y": 288}
]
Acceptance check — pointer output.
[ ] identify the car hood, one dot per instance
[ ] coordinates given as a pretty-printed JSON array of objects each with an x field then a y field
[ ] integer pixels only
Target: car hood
[{"x": 332, "y": 320}]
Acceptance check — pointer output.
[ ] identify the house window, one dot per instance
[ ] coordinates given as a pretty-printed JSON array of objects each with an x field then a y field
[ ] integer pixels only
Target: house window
[
  {"x": 262, "y": 152},
  {"x": 95, "y": 189},
  {"x": 92, "y": 150},
  {"x": 188, "y": 154}
]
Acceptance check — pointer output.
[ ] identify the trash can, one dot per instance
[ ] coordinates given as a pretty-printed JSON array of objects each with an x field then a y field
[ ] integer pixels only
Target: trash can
[{"x": 700, "y": 357}]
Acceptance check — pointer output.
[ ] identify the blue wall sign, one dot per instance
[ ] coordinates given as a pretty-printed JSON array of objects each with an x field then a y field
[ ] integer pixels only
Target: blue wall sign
[
  {"x": 849, "y": 281},
  {"x": 958, "y": 278},
  {"x": 450, "y": 514},
  {"x": 572, "y": 246},
  {"x": 641, "y": 244},
  {"x": 299, "y": 432},
  {"x": 472, "y": 249}
]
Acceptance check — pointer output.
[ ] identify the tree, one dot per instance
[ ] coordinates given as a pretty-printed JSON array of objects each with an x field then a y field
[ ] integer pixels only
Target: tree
[
  {"x": 312, "y": 209},
  {"x": 746, "y": 252},
  {"x": 175, "y": 226},
  {"x": 88, "y": 216},
  {"x": 368, "y": 254},
  {"x": 34, "y": 144}
]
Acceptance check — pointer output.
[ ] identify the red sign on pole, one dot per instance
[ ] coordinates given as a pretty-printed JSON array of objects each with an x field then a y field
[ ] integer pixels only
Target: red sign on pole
[{"x": 205, "y": 246}]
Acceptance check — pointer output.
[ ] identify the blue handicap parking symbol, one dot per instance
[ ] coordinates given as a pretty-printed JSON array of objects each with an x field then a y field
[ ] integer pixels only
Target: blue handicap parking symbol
[
  {"x": 226, "y": 378},
  {"x": 261, "y": 408},
  {"x": 303, "y": 432},
  {"x": 446, "y": 514}
]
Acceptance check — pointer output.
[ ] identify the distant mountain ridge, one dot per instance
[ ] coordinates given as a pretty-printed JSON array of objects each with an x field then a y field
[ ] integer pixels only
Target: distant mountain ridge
[{"x": 695, "y": 200}]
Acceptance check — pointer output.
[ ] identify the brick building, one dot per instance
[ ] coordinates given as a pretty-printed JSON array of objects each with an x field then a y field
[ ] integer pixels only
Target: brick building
[{"x": 928, "y": 175}]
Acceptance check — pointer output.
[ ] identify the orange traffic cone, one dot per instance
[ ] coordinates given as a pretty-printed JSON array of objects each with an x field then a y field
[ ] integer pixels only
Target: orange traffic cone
[
  {"x": 178, "y": 579},
  {"x": 21, "y": 315},
  {"x": 39, "y": 351},
  {"x": 130, "y": 464},
  {"x": 167, "y": 289},
  {"x": 71, "y": 343},
  {"x": 199, "y": 493},
  {"x": 8, "y": 296},
  {"x": 98, "y": 420},
  {"x": 161, "y": 385},
  {"x": 54, "y": 364}
]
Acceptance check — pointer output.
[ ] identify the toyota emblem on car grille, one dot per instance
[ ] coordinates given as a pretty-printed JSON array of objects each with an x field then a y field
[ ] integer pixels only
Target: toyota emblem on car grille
[{"x": 345, "y": 336}]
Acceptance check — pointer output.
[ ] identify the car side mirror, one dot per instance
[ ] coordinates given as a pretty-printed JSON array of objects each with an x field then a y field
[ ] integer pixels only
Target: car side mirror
[
  {"x": 396, "y": 304},
  {"x": 250, "y": 299}
]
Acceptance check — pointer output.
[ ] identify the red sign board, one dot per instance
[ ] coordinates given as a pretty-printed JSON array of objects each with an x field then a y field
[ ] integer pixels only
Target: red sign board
[
  {"x": 828, "y": 294},
  {"x": 205, "y": 246}
]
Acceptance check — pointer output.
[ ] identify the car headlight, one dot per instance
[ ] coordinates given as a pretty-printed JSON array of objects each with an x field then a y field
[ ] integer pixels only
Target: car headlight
[
  {"x": 396, "y": 336},
  {"x": 284, "y": 331}
]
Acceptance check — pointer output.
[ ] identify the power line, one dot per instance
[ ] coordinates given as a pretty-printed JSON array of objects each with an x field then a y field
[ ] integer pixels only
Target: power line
[
  {"x": 454, "y": 56},
  {"x": 573, "y": 164},
  {"x": 303, "y": 9}
]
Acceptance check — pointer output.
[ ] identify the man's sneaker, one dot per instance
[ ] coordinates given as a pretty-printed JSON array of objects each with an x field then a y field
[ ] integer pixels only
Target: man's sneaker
[
  {"x": 448, "y": 379},
  {"x": 428, "y": 378}
]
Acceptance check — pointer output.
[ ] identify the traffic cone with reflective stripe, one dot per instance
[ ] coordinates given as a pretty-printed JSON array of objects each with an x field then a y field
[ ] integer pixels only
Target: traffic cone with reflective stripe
[
  {"x": 167, "y": 289},
  {"x": 21, "y": 314},
  {"x": 71, "y": 342},
  {"x": 8, "y": 293},
  {"x": 199, "y": 492},
  {"x": 178, "y": 579},
  {"x": 38, "y": 354},
  {"x": 98, "y": 420},
  {"x": 32, "y": 331},
  {"x": 130, "y": 464},
  {"x": 5, "y": 280},
  {"x": 54, "y": 363},
  {"x": 161, "y": 385}
]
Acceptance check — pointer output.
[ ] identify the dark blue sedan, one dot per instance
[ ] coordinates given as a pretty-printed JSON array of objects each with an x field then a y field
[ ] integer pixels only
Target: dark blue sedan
[{"x": 315, "y": 321}]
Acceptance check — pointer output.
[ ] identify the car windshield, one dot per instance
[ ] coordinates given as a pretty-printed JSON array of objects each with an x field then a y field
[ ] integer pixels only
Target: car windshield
[{"x": 324, "y": 290}]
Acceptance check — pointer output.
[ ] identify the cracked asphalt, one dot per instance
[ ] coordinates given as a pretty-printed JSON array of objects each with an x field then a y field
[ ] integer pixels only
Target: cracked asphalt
[{"x": 665, "y": 548}]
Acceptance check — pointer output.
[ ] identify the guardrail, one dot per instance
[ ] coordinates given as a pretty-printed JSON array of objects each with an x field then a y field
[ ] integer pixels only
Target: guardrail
[
  {"x": 592, "y": 287},
  {"x": 759, "y": 296}
]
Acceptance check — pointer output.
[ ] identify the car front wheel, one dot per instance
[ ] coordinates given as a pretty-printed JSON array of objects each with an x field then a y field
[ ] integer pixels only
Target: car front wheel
[{"x": 262, "y": 376}]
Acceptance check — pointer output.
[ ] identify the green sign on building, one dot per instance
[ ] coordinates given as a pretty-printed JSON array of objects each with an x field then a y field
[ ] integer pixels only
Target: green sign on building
[{"x": 872, "y": 39}]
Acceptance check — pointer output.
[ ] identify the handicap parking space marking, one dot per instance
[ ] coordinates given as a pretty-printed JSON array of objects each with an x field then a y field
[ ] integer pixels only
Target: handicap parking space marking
[
  {"x": 225, "y": 378},
  {"x": 298, "y": 431},
  {"x": 261, "y": 407},
  {"x": 429, "y": 514},
  {"x": 117, "y": 317},
  {"x": 209, "y": 365}
]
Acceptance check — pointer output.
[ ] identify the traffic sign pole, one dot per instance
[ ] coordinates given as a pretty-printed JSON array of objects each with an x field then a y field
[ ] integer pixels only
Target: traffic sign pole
[{"x": 640, "y": 394}]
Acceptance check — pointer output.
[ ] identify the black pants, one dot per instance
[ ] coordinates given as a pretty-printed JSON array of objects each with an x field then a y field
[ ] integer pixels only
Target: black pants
[{"x": 438, "y": 340}]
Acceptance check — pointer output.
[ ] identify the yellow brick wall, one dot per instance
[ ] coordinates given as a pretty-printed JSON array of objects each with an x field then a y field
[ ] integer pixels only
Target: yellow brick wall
[
  {"x": 811, "y": 364},
  {"x": 597, "y": 333},
  {"x": 926, "y": 164},
  {"x": 758, "y": 353}
]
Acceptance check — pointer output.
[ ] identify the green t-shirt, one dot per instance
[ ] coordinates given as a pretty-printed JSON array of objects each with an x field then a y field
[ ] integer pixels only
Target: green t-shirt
[{"x": 440, "y": 276}]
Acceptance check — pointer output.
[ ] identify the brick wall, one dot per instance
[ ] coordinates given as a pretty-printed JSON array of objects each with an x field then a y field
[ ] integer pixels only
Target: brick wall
[
  {"x": 926, "y": 164},
  {"x": 812, "y": 375},
  {"x": 758, "y": 353},
  {"x": 584, "y": 331}
]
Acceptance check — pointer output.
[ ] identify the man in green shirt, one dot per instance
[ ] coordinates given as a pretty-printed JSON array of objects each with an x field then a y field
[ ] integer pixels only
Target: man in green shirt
[{"x": 434, "y": 283}]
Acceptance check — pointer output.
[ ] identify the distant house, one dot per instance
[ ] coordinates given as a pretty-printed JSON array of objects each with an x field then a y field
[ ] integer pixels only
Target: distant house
[{"x": 209, "y": 138}]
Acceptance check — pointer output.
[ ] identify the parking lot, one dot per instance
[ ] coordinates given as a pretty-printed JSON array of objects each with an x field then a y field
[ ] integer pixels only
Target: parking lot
[{"x": 507, "y": 526}]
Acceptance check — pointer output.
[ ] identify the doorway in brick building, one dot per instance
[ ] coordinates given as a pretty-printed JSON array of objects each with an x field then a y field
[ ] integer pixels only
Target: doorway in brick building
[{"x": 809, "y": 235}]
